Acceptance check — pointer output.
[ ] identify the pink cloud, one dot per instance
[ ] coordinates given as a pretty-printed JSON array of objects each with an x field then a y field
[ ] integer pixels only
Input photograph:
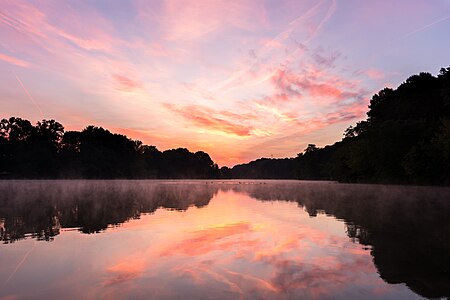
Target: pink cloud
[
  {"x": 234, "y": 282},
  {"x": 207, "y": 240},
  {"x": 82, "y": 27},
  {"x": 190, "y": 20},
  {"x": 125, "y": 270},
  {"x": 277, "y": 98},
  {"x": 126, "y": 84},
  {"x": 281, "y": 115},
  {"x": 23, "y": 18},
  {"x": 287, "y": 141},
  {"x": 316, "y": 84},
  {"x": 88, "y": 43},
  {"x": 286, "y": 47},
  {"x": 346, "y": 113},
  {"x": 14, "y": 61},
  {"x": 375, "y": 74},
  {"x": 206, "y": 118}
]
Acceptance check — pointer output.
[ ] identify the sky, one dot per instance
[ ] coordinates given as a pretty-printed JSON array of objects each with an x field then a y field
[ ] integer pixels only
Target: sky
[{"x": 239, "y": 80}]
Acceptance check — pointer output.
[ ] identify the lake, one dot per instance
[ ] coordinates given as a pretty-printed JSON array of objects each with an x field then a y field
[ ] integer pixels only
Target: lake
[{"x": 234, "y": 239}]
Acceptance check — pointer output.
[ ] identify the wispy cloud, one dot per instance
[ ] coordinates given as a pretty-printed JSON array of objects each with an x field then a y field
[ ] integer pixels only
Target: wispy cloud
[
  {"x": 210, "y": 239},
  {"x": 440, "y": 20},
  {"x": 316, "y": 84},
  {"x": 371, "y": 73},
  {"x": 191, "y": 20},
  {"x": 29, "y": 95},
  {"x": 125, "y": 270},
  {"x": 15, "y": 61},
  {"x": 126, "y": 84},
  {"x": 210, "y": 120}
]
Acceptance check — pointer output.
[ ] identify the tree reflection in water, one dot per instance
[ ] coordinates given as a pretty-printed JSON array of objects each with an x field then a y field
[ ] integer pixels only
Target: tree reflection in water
[
  {"x": 41, "y": 208},
  {"x": 406, "y": 228}
]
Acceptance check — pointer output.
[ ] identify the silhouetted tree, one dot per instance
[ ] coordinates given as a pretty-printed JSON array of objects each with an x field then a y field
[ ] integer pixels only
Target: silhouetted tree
[
  {"x": 265, "y": 168},
  {"x": 17, "y": 152},
  {"x": 45, "y": 151},
  {"x": 311, "y": 148},
  {"x": 403, "y": 139},
  {"x": 225, "y": 173}
]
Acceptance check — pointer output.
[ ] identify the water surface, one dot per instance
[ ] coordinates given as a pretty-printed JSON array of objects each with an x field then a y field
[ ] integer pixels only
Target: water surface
[{"x": 222, "y": 240}]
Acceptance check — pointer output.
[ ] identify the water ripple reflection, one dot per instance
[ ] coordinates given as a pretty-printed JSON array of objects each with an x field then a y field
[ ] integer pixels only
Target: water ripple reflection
[{"x": 227, "y": 240}]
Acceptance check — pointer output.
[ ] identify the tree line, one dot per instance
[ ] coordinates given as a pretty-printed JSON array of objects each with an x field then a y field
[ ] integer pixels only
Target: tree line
[
  {"x": 405, "y": 139},
  {"x": 47, "y": 151}
]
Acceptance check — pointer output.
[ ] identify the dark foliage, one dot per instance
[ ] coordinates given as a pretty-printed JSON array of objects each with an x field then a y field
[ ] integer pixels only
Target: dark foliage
[
  {"x": 264, "y": 168},
  {"x": 46, "y": 151},
  {"x": 405, "y": 139}
]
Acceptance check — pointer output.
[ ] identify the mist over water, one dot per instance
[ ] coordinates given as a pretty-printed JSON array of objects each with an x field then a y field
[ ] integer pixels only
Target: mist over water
[{"x": 222, "y": 239}]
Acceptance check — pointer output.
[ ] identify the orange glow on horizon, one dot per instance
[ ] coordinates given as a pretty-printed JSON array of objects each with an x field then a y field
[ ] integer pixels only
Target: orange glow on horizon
[{"x": 239, "y": 80}]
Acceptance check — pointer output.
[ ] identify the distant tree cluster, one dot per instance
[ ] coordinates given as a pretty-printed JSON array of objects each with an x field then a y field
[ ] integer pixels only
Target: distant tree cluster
[
  {"x": 405, "y": 139},
  {"x": 263, "y": 168},
  {"x": 46, "y": 151}
]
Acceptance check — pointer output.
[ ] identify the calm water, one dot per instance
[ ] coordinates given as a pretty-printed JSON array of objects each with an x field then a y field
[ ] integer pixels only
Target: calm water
[{"x": 222, "y": 240}]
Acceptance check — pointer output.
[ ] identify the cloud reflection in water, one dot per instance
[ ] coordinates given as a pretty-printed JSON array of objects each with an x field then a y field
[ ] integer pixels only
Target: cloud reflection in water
[{"x": 215, "y": 240}]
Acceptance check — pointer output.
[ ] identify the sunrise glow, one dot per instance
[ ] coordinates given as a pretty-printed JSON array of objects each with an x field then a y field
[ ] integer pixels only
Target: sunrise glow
[{"x": 237, "y": 79}]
